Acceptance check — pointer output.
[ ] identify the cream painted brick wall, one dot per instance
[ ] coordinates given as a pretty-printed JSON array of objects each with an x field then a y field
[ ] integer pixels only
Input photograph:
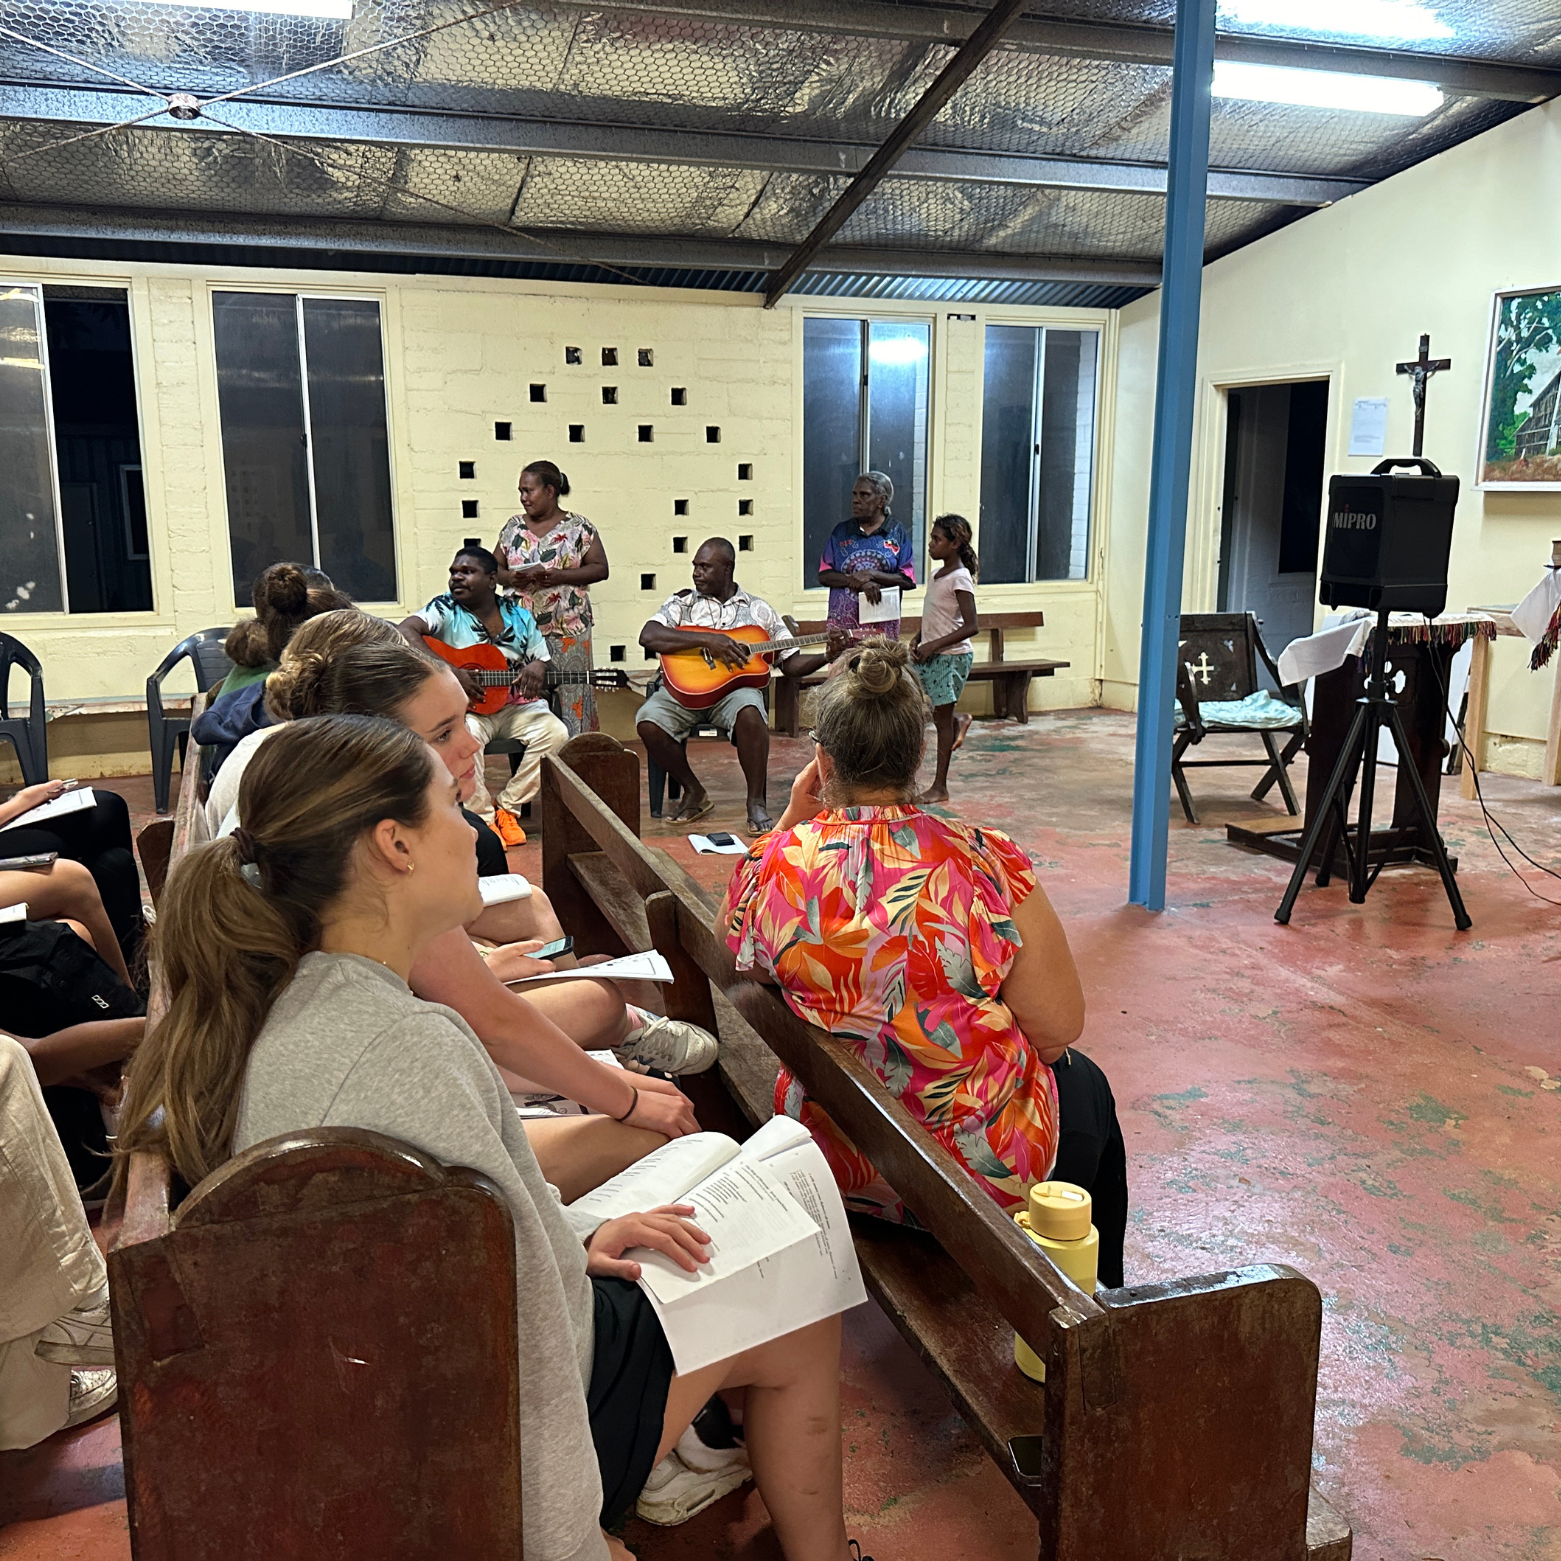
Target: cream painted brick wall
[{"x": 461, "y": 356}]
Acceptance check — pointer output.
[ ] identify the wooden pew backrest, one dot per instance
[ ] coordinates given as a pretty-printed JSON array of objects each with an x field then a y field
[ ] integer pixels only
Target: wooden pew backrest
[{"x": 317, "y": 1357}]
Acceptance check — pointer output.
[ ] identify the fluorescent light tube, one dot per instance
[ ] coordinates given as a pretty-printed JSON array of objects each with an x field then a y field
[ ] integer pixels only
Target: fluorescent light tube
[
  {"x": 332, "y": 8},
  {"x": 1396, "y": 21},
  {"x": 1325, "y": 89}
]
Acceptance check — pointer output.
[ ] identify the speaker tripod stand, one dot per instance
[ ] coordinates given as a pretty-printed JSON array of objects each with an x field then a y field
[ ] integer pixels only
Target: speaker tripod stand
[{"x": 1330, "y": 825}]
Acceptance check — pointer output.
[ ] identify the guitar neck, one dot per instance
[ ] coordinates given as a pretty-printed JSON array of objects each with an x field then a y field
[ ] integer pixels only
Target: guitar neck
[{"x": 788, "y": 644}]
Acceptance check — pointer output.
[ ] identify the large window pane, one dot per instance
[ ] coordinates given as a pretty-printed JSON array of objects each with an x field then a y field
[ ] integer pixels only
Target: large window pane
[
  {"x": 897, "y": 372},
  {"x": 1067, "y": 456},
  {"x": 29, "y": 533},
  {"x": 831, "y": 431},
  {"x": 346, "y": 375},
  {"x": 98, "y": 445},
  {"x": 1007, "y": 452},
  {"x": 1037, "y": 453},
  {"x": 264, "y": 447}
]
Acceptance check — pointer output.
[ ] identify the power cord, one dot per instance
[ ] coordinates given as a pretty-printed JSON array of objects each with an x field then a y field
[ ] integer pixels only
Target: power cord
[{"x": 1492, "y": 823}]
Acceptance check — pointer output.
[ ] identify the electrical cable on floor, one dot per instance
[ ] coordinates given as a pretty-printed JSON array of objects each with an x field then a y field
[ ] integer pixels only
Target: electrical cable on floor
[{"x": 1490, "y": 819}]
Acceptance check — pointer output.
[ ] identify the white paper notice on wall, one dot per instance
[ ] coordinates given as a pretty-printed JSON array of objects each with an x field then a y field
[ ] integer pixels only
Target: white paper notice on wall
[{"x": 1369, "y": 426}]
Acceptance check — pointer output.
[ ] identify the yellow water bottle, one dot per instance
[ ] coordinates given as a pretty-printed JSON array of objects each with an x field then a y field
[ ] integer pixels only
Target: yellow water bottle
[{"x": 1058, "y": 1221}]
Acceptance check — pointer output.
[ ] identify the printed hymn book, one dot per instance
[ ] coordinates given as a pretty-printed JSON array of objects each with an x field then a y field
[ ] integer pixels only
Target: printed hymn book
[{"x": 781, "y": 1254}]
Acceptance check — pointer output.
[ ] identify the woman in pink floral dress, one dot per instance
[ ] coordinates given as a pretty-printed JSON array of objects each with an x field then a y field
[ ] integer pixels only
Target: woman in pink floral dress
[
  {"x": 928, "y": 945},
  {"x": 549, "y": 559}
]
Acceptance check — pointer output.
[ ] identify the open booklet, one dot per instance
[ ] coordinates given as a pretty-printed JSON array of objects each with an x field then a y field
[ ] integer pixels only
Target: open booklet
[{"x": 781, "y": 1254}]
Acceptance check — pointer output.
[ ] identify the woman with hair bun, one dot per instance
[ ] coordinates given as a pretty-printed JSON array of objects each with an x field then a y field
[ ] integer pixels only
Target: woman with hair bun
[
  {"x": 930, "y": 948},
  {"x": 550, "y": 558}
]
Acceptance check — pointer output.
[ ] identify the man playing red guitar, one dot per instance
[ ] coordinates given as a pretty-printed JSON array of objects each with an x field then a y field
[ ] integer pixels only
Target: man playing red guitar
[
  {"x": 471, "y": 613},
  {"x": 687, "y": 621}
]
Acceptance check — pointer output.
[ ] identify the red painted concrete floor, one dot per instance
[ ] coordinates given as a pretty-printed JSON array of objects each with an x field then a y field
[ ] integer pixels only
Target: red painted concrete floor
[{"x": 1365, "y": 1094}]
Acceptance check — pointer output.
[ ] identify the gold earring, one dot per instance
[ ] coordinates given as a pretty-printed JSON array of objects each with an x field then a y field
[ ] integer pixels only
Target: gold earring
[{"x": 411, "y": 868}]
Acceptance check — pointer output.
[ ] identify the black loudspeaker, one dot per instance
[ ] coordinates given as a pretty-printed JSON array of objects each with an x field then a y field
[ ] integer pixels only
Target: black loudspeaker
[{"x": 1389, "y": 535}]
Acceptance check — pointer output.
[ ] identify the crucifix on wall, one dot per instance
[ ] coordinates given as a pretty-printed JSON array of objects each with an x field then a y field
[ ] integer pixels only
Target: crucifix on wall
[{"x": 1421, "y": 369}]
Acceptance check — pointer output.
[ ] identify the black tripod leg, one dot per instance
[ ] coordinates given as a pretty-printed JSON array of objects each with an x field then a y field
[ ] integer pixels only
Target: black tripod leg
[
  {"x": 1461, "y": 918},
  {"x": 1360, "y": 863},
  {"x": 1343, "y": 775}
]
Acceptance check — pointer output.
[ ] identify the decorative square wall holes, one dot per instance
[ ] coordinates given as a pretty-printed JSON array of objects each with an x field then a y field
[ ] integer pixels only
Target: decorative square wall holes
[
  {"x": 745, "y": 544},
  {"x": 468, "y": 509},
  {"x": 745, "y": 471},
  {"x": 539, "y": 392},
  {"x": 647, "y": 357},
  {"x": 647, "y": 432},
  {"x": 616, "y": 652},
  {"x": 679, "y": 396},
  {"x": 572, "y": 356},
  {"x": 577, "y": 433},
  {"x": 647, "y": 582},
  {"x": 680, "y": 506},
  {"x": 680, "y": 544},
  {"x": 609, "y": 357},
  {"x": 712, "y": 434},
  {"x": 745, "y": 506},
  {"x": 468, "y": 469},
  {"x": 609, "y": 395},
  {"x": 501, "y": 431}
]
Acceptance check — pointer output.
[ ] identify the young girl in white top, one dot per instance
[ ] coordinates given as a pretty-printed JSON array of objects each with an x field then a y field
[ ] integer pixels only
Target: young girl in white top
[{"x": 943, "y": 654}]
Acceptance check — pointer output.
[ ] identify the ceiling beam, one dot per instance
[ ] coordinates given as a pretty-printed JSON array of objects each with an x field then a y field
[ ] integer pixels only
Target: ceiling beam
[
  {"x": 66, "y": 107},
  {"x": 1131, "y": 44},
  {"x": 371, "y": 239},
  {"x": 926, "y": 108}
]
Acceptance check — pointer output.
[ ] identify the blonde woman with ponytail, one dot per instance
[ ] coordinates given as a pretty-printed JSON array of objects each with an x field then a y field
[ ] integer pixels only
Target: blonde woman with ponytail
[
  {"x": 930, "y": 947},
  {"x": 286, "y": 948}
]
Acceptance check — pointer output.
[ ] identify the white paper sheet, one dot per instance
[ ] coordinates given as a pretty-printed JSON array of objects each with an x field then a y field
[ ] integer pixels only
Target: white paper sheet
[
  {"x": 632, "y": 967},
  {"x": 885, "y": 610},
  {"x": 1369, "y": 425},
  {"x": 707, "y": 847},
  {"x": 502, "y": 888},
  {"x": 65, "y": 803}
]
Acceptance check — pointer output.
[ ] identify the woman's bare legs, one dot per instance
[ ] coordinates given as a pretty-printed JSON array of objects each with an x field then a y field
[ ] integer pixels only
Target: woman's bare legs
[
  {"x": 578, "y": 1154},
  {"x": 518, "y": 921},
  {"x": 791, "y": 1424},
  {"x": 65, "y": 891},
  {"x": 590, "y": 1013}
]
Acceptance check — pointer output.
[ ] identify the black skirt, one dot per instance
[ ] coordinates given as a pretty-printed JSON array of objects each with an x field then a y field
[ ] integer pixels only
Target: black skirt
[{"x": 627, "y": 1399}]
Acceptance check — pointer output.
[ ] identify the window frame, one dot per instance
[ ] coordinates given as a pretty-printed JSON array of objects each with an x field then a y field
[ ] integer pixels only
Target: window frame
[
  {"x": 381, "y": 299},
  {"x": 867, "y": 312}
]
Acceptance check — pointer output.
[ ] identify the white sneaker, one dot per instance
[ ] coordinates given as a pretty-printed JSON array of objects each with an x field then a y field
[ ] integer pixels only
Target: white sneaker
[
  {"x": 84, "y": 1337},
  {"x": 91, "y": 1393},
  {"x": 674, "y": 1492},
  {"x": 670, "y": 1046}
]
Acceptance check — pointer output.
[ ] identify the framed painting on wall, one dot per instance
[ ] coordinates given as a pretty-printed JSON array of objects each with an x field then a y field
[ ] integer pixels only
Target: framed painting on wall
[{"x": 1520, "y": 426}]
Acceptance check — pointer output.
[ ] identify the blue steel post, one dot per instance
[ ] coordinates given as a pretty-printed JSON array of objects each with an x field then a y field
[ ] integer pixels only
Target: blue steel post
[{"x": 1171, "y": 461}]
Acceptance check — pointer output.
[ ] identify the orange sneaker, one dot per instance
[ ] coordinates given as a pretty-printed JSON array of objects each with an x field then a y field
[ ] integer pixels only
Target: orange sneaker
[{"x": 508, "y": 828}]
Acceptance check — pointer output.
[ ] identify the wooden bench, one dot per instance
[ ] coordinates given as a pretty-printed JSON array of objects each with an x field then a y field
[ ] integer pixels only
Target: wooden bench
[
  {"x": 303, "y": 1369},
  {"x": 1176, "y": 1419},
  {"x": 1010, "y": 680}
]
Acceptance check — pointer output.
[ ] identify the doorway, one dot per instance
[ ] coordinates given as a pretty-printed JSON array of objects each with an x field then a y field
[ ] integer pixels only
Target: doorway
[{"x": 1271, "y": 515}]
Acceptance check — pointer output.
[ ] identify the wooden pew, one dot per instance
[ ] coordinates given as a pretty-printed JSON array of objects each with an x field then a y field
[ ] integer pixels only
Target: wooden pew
[
  {"x": 1010, "y": 680},
  {"x": 1176, "y": 1420},
  {"x": 317, "y": 1357}
]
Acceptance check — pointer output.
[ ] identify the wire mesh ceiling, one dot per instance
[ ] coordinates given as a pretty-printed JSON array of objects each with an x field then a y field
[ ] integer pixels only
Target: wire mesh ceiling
[{"x": 680, "y": 127}]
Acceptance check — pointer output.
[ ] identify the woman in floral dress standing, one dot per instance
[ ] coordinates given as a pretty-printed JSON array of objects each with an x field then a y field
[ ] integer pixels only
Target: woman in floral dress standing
[{"x": 550, "y": 558}]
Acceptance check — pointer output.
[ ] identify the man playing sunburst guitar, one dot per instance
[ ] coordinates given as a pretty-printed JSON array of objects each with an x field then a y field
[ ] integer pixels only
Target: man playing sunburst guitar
[
  {"x": 471, "y": 613},
  {"x": 711, "y": 678}
]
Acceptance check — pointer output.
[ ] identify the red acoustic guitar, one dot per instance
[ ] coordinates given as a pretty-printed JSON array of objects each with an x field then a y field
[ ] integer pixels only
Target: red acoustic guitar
[
  {"x": 491, "y": 672},
  {"x": 697, "y": 680}
]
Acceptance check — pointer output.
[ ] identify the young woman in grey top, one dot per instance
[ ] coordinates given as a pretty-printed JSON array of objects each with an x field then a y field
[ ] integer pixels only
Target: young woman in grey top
[{"x": 285, "y": 948}]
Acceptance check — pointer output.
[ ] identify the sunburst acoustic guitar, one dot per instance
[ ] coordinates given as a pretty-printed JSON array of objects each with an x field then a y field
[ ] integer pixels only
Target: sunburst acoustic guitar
[
  {"x": 492, "y": 673},
  {"x": 697, "y": 680}
]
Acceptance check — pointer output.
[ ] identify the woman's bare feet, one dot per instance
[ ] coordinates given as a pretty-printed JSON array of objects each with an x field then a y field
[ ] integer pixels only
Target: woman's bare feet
[
  {"x": 961, "y": 729},
  {"x": 934, "y": 794}
]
